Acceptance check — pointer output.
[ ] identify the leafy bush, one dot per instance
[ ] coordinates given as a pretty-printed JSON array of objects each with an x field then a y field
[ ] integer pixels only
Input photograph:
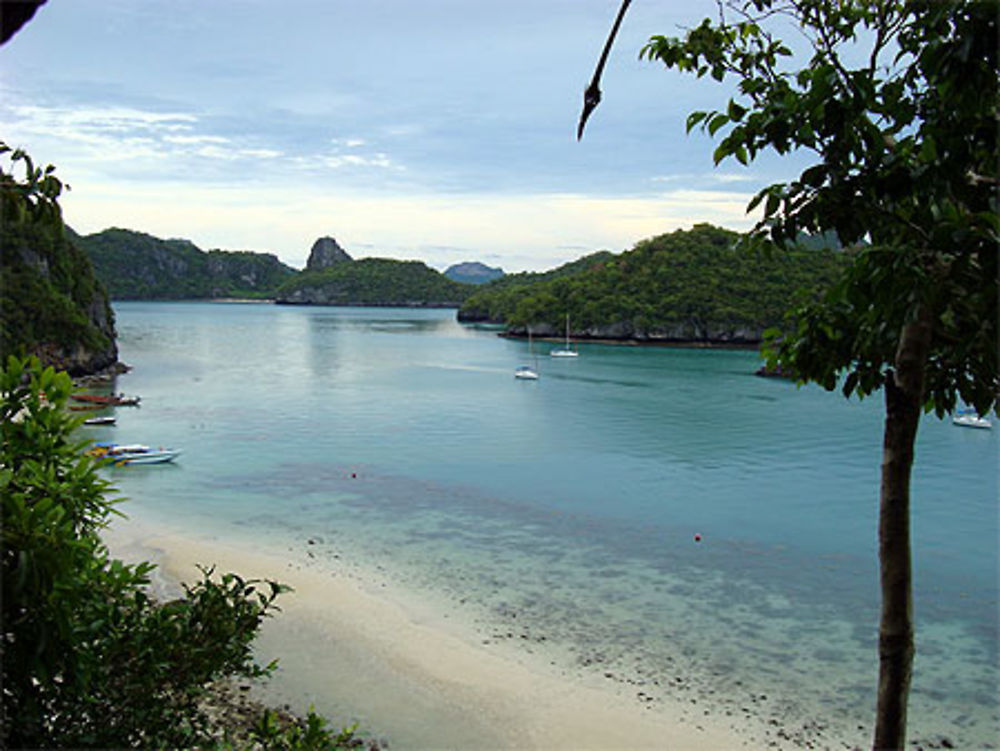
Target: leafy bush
[{"x": 88, "y": 658}]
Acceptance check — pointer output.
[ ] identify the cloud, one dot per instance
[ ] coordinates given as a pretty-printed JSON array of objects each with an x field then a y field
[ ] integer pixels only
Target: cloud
[{"x": 706, "y": 178}]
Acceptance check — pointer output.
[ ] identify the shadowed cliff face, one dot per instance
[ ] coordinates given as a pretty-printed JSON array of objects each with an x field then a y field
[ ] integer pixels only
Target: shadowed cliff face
[{"x": 51, "y": 305}]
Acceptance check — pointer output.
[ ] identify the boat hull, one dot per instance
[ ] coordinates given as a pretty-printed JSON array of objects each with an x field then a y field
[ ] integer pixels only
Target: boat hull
[{"x": 972, "y": 421}]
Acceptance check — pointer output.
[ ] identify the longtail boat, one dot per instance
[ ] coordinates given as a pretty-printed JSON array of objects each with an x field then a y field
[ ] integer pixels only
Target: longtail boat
[{"x": 113, "y": 400}]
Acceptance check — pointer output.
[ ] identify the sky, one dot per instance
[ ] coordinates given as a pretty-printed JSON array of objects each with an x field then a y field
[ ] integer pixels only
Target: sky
[{"x": 437, "y": 130}]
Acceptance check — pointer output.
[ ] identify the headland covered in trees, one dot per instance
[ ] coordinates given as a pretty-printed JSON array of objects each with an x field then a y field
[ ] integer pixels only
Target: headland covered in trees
[{"x": 689, "y": 286}]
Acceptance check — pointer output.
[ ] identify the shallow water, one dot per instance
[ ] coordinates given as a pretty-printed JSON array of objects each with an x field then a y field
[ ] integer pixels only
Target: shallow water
[{"x": 561, "y": 514}]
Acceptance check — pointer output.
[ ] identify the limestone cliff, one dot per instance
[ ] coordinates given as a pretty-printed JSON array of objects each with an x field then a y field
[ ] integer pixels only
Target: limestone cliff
[
  {"x": 51, "y": 304},
  {"x": 137, "y": 266},
  {"x": 325, "y": 253}
]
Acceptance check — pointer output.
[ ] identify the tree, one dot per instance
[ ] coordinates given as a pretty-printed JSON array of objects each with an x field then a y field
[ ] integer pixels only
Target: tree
[{"x": 898, "y": 101}]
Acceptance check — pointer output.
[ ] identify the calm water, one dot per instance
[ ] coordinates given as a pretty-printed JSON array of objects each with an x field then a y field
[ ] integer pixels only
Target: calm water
[{"x": 569, "y": 506}]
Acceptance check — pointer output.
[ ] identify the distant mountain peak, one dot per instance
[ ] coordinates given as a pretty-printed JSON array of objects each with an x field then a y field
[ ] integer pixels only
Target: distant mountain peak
[
  {"x": 326, "y": 253},
  {"x": 473, "y": 272}
]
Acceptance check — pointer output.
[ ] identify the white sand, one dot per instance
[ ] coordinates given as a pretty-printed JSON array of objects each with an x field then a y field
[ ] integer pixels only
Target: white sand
[{"x": 362, "y": 651}]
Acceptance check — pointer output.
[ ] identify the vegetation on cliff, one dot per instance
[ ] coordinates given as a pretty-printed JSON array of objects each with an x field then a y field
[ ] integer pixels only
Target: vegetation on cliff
[
  {"x": 138, "y": 266},
  {"x": 688, "y": 285},
  {"x": 374, "y": 281},
  {"x": 51, "y": 304}
]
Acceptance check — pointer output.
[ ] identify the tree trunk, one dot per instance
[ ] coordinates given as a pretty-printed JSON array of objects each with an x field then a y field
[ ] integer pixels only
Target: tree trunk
[{"x": 904, "y": 389}]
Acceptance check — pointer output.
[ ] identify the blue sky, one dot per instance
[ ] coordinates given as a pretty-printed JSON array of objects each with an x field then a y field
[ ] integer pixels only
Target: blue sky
[{"x": 442, "y": 130}]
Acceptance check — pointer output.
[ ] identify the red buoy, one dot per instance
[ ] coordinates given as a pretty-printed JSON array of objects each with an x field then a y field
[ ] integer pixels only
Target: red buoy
[{"x": 697, "y": 538}]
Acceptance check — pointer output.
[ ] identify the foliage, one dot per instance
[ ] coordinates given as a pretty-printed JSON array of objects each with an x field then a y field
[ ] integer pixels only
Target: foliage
[
  {"x": 33, "y": 198},
  {"x": 374, "y": 281},
  {"x": 688, "y": 284},
  {"x": 274, "y": 733},
  {"x": 138, "y": 266},
  {"x": 88, "y": 658},
  {"x": 496, "y": 301},
  {"x": 907, "y": 145},
  {"x": 49, "y": 298}
]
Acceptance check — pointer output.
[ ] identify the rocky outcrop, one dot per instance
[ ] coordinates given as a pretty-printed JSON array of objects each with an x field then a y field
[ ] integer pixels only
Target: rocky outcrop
[{"x": 326, "y": 253}]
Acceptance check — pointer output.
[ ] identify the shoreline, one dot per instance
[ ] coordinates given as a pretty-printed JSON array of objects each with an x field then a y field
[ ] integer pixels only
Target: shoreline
[{"x": 363, "y": 650}]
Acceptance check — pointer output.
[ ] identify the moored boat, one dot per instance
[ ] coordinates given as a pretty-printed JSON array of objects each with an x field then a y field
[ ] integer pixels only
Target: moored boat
[
  {"x": 565, "y": 351},
  {"x": 133, "y": 453},
  {"x": 113, "y": 400},
  {"x": 101, "y": 420},
  {"x": 967, "y": 418},
  {"x": 527, "y": 372}
]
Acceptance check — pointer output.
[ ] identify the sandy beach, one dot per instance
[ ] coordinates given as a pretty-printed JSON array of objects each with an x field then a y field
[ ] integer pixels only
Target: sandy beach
[{"x": 362, "y": 650}]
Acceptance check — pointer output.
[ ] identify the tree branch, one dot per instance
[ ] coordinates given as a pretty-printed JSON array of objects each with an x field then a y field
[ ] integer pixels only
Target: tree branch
[{"x": 592, "y": 94}]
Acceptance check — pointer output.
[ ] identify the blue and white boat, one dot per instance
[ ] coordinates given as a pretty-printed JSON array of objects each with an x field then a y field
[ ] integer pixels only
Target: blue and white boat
[{"x": 133, "y": 453}]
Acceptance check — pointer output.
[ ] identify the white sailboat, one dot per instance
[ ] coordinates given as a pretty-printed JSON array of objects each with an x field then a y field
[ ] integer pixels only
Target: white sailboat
[
  {"x": 565, "y": 351},
  {"x": 969, "y": 418},
  {"x": 525, "y": 372}
]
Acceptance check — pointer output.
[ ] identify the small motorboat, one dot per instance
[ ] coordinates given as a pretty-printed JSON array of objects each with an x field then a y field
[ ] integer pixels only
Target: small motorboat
[
  {"x": 967, "y": 418},
  {"x": 101, "y": 420},
  {"x": 132, "y": 453},
  {"x": 111, "y": 400}
]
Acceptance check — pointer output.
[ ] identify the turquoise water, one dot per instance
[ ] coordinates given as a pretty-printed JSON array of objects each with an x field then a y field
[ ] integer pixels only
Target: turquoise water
[{"x": 562, "y": 513}]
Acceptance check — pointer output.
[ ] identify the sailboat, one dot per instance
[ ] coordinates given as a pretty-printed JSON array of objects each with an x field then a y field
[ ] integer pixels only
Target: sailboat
[
  {"x": 565, "y": 351},
  {"x": 525, "y": 372},
  {"x": 969, "y": 418}
]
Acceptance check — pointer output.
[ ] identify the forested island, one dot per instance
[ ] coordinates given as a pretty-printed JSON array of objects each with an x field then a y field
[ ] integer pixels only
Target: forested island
[
  {"x": 137, "y": 266},
  {"x": 332, "y": 277},
  {"x": 689, "y": 286}
]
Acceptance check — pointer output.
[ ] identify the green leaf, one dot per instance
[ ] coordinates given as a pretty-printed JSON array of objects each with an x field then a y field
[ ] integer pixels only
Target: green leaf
[{"x": 717, "y": 121}]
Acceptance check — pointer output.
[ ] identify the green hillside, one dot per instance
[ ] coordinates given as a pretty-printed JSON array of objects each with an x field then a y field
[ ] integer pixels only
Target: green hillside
[
  {"x": 374, "y": 281},
  {"x": 137, "y": 266},
  {"x": 685, "y": 286},
  {"x": 495, "y": 302},
  {"x": 51, "y": 304}
]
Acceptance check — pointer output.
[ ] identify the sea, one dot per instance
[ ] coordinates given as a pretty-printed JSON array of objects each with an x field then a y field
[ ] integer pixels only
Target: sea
[{"x": 658, "y": 515}]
